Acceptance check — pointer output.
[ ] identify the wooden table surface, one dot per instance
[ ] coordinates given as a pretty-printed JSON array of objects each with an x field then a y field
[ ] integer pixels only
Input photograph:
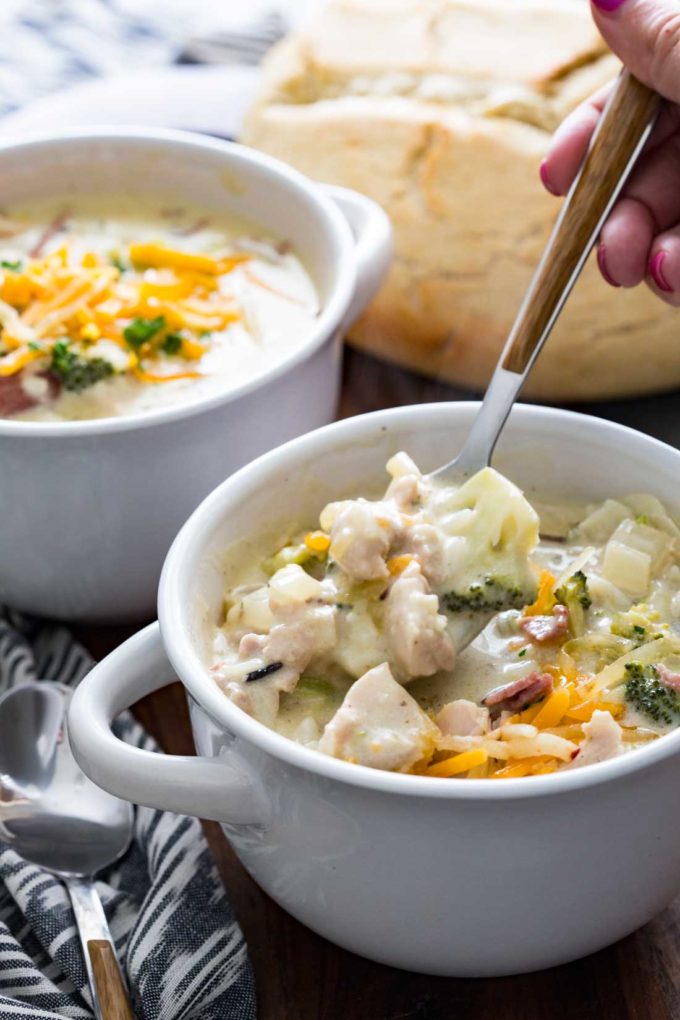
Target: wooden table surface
[{"x": 300, "y": 976}]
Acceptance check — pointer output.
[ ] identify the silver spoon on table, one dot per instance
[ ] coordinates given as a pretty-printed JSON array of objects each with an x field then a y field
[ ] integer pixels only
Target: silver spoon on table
[
  {"x": 624, "y": 127},
  {"x": 55, "y": 817}
]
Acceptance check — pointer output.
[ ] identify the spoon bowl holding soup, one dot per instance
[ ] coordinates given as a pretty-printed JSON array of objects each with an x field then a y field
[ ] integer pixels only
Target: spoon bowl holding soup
[
  {"x": 348, "y": 796},
  {"x": 171, "y": 306}
]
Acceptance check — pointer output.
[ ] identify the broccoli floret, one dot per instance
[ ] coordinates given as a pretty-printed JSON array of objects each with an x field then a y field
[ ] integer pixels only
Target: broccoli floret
[
  {"x": 575, "y": 589},
  {"x": 645, "y": 692},
  {"x": 77, "y": 373},
  {"x": 574, "y": 595},
  {"x": 491, "y": 595}
]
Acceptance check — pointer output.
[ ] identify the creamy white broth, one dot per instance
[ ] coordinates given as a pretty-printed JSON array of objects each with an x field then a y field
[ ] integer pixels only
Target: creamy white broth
[
  {"x": 581, "y": 683},
  {"x": 272, "y": 293}
]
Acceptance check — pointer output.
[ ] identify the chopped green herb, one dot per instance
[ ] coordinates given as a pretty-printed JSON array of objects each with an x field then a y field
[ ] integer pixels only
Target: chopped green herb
[
  {"x": 34, "y": 345},
  {"x": 15, "y": 266},
  {"x": 522, "y": 653},
  {"x": 117, "y": 262},
  {"x": 172, "y": 344},
  {"x": 140, "y": 331},
  {"x": 642, "y": 519}
]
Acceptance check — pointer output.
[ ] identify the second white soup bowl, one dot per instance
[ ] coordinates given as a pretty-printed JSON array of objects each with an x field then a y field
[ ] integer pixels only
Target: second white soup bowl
[
  {"x": 452, "y": 877},
  {"x": 89, "y": 508}
]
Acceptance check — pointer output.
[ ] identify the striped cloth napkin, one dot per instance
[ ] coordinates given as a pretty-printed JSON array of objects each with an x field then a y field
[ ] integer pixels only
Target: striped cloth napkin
[{"x": 182, "y": 950}]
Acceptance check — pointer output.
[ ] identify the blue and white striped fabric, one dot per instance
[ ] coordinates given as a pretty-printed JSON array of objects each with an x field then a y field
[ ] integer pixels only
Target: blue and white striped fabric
[
  {"x": 175, "y": 933},
  {"x": 46, "y": 45}
]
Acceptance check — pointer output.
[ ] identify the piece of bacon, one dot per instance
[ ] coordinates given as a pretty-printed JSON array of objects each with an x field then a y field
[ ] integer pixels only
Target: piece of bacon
[
  {"x": 542, "y": 629},
  {"x": 14, "y": 399},
  {"x": 668, "y": 678},
  {"x": 51, "y": 230},
  {"x": 518, "y": 694}
]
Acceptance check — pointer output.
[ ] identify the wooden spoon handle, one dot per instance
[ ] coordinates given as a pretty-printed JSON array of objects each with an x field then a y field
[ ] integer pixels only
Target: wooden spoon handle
[
  {"x": 624, "y": 127},
  {"x": 113, "y": 1000}
]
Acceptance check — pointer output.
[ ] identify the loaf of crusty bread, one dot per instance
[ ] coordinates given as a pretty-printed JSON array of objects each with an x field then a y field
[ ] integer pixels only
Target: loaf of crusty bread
[{"x": 441, "y": 110}]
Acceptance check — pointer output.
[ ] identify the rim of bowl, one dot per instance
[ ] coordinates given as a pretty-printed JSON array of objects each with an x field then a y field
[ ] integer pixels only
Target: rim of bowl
[
  {"x": 332, "y": 310},
  {"x": 186, "y": 660}
]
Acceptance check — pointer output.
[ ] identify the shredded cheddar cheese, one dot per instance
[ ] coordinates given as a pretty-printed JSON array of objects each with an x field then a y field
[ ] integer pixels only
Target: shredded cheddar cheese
[
  {"x": 552, "y": 709},
  {"x": 59, "y": 298},
  {"x": 545, "y": 600},
  {"x": 458, "y": 763}
]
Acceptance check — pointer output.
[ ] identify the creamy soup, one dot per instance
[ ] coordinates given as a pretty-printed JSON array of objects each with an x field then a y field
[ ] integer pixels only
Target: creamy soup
[
  {"x": 433, "y": 632},
  {"x": 110, "y": 309}
]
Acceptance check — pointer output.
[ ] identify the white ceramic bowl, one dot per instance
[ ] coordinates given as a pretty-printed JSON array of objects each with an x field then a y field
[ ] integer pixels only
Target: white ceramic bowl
[
  {"x": 88, "y": 509},
  {"x": 465, "y": 878}
]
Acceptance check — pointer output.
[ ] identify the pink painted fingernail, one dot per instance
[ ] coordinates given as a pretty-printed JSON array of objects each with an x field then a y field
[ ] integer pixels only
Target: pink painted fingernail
[
  {"x": 601, "y": 261},
  {"x": 607, "y": 5},
  {"x": 545, "y": 180},
  {"x": 656, "y": 272}
]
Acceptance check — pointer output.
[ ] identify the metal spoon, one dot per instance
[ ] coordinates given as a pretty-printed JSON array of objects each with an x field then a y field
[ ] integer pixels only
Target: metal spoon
[
  {"x": 53, "y": 816},
  {"x": 625, "y": 126}
]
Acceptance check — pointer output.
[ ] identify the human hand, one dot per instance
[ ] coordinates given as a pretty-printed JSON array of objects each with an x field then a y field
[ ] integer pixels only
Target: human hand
[{"x": 641, "y": 239}]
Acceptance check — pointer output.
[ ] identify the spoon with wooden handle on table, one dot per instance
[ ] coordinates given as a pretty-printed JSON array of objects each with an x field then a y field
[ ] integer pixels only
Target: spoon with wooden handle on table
[
  {"x": 55, "y": 817},
  {"x": 625, "y": 125}
]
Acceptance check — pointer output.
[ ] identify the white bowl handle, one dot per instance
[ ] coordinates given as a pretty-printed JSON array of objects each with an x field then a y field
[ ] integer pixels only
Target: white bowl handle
[
  {"x": 373, "y": 237},
  {"x": 205, "y": 787}
]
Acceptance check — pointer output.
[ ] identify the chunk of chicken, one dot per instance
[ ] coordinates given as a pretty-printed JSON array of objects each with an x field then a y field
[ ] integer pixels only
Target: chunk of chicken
[
  {"x": 463, "y": 718},
  {"x": 258, "y": 697},
  {"x": 406, "y": 491},
  {"x": 301, "y": 622},
  {"x": 302, "y": 630},
  {"x": 301, "y": 633},
  {"x": 379, "y": 725},
  {"x": 362, "y": 534},
  {"x": 416, "y": 631},
  {"x": 426, "y": 543},
  {"x": 603, "y": 740}
]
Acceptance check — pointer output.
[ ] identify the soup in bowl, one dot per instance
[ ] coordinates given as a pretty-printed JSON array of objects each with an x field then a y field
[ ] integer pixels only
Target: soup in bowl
[
  {"x": 411, "y": 868},
  {"x": 171, "y": 306},
  {"x": 111, "y": 307},
  {"x": 351, "y": 637}
]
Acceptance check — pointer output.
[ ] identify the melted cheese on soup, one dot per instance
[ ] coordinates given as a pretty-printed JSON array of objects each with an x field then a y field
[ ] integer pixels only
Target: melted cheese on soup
[{"x": 129, "y": 309}]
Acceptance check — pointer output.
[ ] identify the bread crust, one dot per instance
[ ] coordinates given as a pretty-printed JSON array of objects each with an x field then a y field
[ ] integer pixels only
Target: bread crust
[{"x": 459, "y": 181}]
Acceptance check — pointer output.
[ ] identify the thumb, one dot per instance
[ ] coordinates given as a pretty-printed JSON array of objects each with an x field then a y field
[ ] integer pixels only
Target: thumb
[{"x": 645, "y": 34}]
